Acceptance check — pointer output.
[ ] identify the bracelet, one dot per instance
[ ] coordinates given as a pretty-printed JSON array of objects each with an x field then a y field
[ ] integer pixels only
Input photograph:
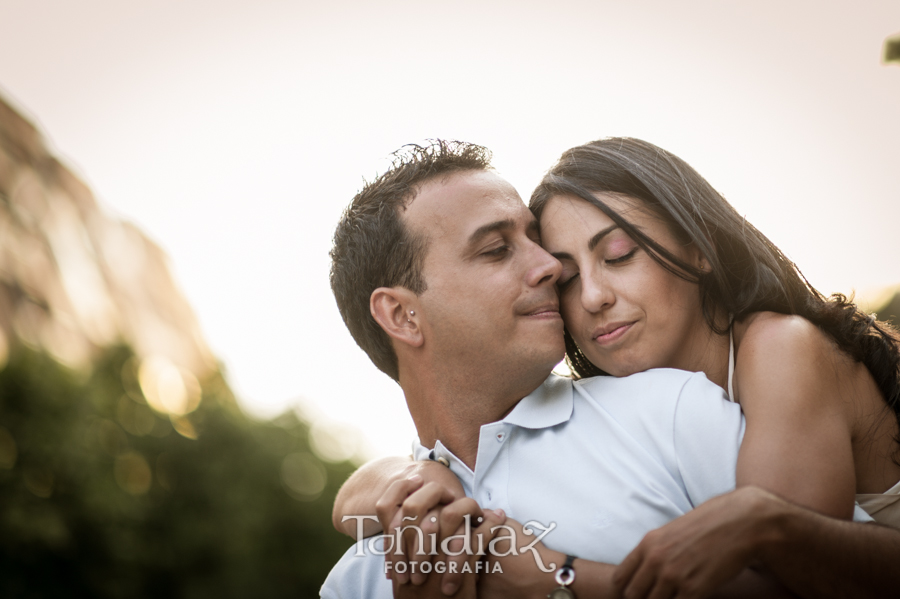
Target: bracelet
[{"x": 564, "y": 577}]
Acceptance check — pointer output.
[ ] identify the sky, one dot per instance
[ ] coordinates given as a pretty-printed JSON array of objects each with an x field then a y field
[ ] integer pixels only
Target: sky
[{"x": 235, "y": 132}]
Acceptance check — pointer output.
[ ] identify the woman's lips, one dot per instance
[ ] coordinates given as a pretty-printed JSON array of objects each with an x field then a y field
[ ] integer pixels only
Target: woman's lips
[{"x": 612, "y": 333}]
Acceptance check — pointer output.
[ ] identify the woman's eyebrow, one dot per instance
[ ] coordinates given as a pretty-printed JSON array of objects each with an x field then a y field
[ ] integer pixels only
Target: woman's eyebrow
[
  {"x": 591, "y": 244},
  {"x": 599, "y": 236}
]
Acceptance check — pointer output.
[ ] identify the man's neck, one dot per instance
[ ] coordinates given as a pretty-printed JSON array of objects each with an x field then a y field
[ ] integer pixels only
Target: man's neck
[{"x": 452, "y": 409}]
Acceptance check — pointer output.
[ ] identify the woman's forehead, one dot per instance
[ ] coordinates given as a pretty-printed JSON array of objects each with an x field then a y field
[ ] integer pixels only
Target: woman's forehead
[
  {"x": 566, "y": 217},
  {"x": 565, "y": 207}
]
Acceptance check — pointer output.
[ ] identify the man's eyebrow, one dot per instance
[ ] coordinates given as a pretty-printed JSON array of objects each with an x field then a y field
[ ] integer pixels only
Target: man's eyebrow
[
  {"x": 591, "y": 244},
  {"x": 485, "y": 230}
]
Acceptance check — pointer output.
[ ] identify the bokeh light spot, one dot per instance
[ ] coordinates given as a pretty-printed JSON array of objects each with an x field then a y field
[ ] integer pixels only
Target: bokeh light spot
[
  {"x": 4, "y": 350},
  {"x": 135, "y": 418},
  {"x": 165, "y": 471},
  {"x": 132, "y": 473},
  {"x": 111, "y": 437},
  {"x": 8, "y": 450},
  {"x": 184, "y": 427},
  {"x": 167, "y": 388},
  {"x": 303, "y": 475},
  {"x": 38, "y": 480},
  {"x": 333, "y": 441}
]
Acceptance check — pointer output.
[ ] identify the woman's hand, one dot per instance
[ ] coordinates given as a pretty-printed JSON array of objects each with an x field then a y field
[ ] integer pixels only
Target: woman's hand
[
  {"x": 447, "y": 540},
  {"x": 369, "y": 485},
  {"x": 695, "y": 554}
]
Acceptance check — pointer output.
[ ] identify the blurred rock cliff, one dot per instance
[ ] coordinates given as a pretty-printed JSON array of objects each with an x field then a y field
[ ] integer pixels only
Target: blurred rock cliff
[
  {"x": 73, "y": 279},
  {"x": 127, "y": 469}
]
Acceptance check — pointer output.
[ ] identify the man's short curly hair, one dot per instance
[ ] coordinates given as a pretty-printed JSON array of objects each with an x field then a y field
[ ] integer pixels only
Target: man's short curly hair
[{"x": 373, "y": 248}]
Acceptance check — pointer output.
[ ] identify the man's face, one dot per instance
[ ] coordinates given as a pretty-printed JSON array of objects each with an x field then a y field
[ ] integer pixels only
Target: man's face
[{"x": 491, "y": 305}]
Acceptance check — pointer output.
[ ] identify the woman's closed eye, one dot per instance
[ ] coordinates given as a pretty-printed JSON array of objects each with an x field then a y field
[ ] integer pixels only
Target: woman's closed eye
[
  {"x": 565, "y": 280},
  {"x": 623, "y": 258}
]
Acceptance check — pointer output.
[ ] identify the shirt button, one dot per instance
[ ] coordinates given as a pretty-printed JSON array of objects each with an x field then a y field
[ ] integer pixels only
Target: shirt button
[
  {"x": 489, "y": 495},
  {"x": 500, "y": 437},
  {"x": 444, "y": 461}
]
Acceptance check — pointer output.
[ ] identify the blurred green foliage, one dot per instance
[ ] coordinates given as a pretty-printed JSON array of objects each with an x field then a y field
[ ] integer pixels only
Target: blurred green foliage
[
  {"x": 890, "y": 310},
  {"x": 101, "y": 497},
  {"x": 892, "y": 49}
]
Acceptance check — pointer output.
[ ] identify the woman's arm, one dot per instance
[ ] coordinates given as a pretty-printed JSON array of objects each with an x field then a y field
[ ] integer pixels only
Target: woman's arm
[
  {"x": 362, "y": 491},
  {"x": 797, "y": 391},
  {"x": 800, "y": 395}
]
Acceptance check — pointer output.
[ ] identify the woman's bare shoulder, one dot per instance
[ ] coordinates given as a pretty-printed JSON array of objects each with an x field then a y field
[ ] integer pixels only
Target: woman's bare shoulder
[
  {"x": 781, "y": 355},
  {"x": 772, "y": 336}
]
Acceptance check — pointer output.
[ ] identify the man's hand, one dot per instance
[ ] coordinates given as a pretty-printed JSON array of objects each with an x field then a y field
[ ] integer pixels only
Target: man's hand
[
  {"x": 698, "y": 552},
  {"x": 411, "y": 507},
  {"x": 465, "y": 533},
  {"x": 520, "y": 575},
  {"x": 417, "y": 518},
  {"x": 415, "y": 476}
]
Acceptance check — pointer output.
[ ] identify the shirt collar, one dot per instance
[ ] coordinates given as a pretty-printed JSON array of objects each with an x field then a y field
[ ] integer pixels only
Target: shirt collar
[{"x": 548, "y": 405}]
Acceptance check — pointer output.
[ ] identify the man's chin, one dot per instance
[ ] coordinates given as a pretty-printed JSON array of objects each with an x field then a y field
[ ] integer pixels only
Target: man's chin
[{"x": 550, "y": 358}]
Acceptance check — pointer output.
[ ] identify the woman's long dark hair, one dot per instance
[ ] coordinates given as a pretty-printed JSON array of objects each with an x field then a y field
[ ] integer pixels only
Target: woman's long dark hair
[{"x": 747, "y": 272}]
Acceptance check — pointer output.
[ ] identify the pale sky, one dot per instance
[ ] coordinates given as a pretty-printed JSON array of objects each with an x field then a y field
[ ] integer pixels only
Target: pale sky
[{"x": 234, "y": 133}]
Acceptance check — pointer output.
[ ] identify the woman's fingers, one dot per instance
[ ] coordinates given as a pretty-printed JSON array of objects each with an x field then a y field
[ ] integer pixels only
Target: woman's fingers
[
  {"x": 388, "y": 504},
  {"x": 438, "y": 473},
  {"x": 408, "y": 528},
  {"x": 485, "y": 528},
  {"x": 423, "y": 545},
  {"x": 454, "y": 533},
  {"x": 387, "y": 508}
]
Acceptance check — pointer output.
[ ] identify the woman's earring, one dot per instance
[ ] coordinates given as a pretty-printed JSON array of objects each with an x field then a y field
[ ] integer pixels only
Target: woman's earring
[{"x": 411, "y": 313}]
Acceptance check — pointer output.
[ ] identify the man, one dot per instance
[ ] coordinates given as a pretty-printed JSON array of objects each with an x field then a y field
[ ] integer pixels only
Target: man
[{"x": 439, "y": 275}]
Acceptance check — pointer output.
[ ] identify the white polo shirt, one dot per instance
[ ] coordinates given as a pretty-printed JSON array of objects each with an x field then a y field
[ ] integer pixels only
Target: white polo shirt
[{"x": 604, "y": 459}]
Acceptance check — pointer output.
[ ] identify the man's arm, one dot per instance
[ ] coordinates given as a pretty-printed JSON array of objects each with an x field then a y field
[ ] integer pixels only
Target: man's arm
[
  {"x": 821, "y": 557},
  {"x": 520, "y": 575},
  {"x": 814, "y": 556}
]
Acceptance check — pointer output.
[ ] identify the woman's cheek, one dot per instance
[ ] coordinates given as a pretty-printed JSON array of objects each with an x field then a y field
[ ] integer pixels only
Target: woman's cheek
[{"x": 573, "y": 315}]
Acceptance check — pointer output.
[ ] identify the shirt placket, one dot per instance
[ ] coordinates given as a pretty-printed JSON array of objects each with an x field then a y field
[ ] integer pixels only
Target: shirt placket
[{"x": 492, "y": 466}]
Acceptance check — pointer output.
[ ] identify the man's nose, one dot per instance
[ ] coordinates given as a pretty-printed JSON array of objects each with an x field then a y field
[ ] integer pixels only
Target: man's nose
[{"x": 546, "y": 268}]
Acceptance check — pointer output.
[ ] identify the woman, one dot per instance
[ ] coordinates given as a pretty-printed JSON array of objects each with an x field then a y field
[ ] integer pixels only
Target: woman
[
  {"x": 816, "y": 378},
  {"x": 659, "y": 271}
]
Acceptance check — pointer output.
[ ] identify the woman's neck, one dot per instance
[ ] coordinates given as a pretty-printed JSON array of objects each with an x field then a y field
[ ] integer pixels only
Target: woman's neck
[{"x": 708, "y": 352}]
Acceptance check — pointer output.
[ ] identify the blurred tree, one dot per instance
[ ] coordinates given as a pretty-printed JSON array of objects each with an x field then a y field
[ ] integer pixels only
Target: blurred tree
[
  {"x": 889, "y": 311},
  {"x": 100, "y": 496},
  {"x": 892, "y": 49}
]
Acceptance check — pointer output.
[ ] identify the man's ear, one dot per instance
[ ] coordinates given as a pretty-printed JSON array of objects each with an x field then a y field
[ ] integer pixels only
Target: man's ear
[{"x": 393, "y": 309}]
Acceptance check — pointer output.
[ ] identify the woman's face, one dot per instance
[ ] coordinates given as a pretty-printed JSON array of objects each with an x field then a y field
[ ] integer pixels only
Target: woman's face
[{"x": 624, "y": 310}]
